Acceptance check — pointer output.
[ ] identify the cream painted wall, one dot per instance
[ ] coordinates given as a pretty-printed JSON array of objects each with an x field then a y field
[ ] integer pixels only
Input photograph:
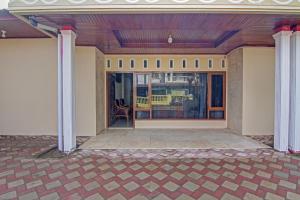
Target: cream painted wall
[
  {"x": 100, "y": 92},
  {"x": 190, "y": 60},
  {"x": 85, "y": 61},
  {"x": 235, "y": 90},
  {"x": 188, "y": 124},
  {"x": 28, "y": 87},
  {"x": 251, "y": 82},
  {"x": 259, "y": 90}
]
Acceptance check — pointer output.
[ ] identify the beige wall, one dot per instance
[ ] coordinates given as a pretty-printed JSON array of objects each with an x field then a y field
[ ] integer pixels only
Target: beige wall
[
  {"x": 251, "y": 90},
  {"x": 203, "y": 61},
  {"x": 85, "y": 90},
  {"x": 188, "y": 124},
  {"x": 28, "y": 88},
  {"x": 259, "y": 89},
  {"x": 100, "y": 92},
  {"x": 235, "y": 90}
]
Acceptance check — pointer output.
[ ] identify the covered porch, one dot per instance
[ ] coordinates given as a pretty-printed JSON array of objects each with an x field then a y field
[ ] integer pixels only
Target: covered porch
[
  {"x": 251, "y": 57},
  {"x": 170, "y": 139}
]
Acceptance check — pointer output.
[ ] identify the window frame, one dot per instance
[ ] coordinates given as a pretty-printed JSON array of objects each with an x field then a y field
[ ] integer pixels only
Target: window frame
[
  {"x": 147, "y": 63},
  {"x": 208, "y": 96},
  {"x": 120, "y": 60},
  {"x": 156, "y": 62},
  {"x": 173, "y": 64},
  {"x": 184, "y": 63},
  {"x": 223, "y": 63},
  {"x": 108, "y": 63},
  {"x": 210, "y": 60},
  {"x": 197, "y": 61},
  {"x": 130, "y": 62}
]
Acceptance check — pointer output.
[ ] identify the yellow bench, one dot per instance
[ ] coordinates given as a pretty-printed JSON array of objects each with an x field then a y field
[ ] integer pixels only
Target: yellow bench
[
  {"x": 142, "y": 102},
  {"x": 161, "y": 100}
]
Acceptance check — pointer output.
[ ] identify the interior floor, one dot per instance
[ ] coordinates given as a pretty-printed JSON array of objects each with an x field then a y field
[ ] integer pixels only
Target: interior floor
[
  {"x": 121, "y": 123},
  {"x": 170, "y": 139}
]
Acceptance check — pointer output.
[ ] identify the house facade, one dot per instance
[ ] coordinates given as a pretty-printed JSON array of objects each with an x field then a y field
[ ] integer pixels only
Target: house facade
[{"x": 76, "y": 67}]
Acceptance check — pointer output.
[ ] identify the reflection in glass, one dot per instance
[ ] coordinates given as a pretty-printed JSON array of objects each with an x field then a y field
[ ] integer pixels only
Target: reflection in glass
[
  {"x": 217, "y": 90},
  {"x": 179, "y": 95},
  {"x": 142, "y": 96}
]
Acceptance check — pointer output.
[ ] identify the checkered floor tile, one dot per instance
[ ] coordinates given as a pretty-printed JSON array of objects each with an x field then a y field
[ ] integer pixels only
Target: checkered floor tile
[{"x": 99, "y": 175}]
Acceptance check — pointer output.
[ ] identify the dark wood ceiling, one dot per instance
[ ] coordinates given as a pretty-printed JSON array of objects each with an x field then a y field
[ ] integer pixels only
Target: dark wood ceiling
[
  {"x": 15, "y": 28},
  {"x": 192, "y": 33}
]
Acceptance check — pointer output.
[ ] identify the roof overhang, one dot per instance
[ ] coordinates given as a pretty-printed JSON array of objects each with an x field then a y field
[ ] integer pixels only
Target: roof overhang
[{"x": 154, "y": 6}]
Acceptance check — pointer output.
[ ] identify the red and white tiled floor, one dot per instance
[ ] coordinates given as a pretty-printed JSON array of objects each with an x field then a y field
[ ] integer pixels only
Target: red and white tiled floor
[{"x": 142, "y": 174}]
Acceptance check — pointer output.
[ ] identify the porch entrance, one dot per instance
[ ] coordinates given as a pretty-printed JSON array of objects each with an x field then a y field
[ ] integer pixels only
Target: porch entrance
[
  {"x": 171, "y": 139},
  {"x": 120, "y": 100}
]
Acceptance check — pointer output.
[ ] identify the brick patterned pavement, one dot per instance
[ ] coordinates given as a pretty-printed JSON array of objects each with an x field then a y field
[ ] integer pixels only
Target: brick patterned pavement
[{"x": 113, "y": 175}]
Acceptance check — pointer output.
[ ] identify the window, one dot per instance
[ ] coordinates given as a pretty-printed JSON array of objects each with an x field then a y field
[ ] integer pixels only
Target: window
[
  {"x": 171, "y": 64},
  {"x": 180, "y": 95},
  {"x": 223, "y": 63},
  {"x": 145, "y": 64},
  {"x": 210, "y": 63},
  {"x": 197, "y": 63},
  {"x": 184, "y": 63},
  {"x": 217, "y": 96},
  {"x": 120, "y": 63},
  {"x": 132, "y": 64},
  {"x": 157, "y": 63},
  {"x": 143, "y": 106},
  {"x": 108, "y": 64}
]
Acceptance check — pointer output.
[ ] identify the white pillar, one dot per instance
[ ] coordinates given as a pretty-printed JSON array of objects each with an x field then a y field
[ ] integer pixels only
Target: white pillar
[
  {"x": 66, "y": 92},
  {"x": 282, "y": 89},
  {"x": 59, "y": 93},
  {"x": 294, "y": 132}
]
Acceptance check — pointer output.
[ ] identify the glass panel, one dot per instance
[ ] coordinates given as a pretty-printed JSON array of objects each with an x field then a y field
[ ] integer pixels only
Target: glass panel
[
  {"x": 120, "y": 95},
  {"x": 142, "y": 96},
  {"x": 216, "y": 114},
  {"x": 142, "y": 114},
  {"x": 217, "y": 90},
  {"x": 179, "y": 95}
]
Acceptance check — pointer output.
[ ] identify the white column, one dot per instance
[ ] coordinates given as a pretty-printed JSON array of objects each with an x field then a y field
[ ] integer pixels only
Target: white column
[
  {"x": 282, "y": 89},
  {"x": 294, "y": 132},
  {"x": 59, "y": 93},
  {"x": 66, "y": 92}
]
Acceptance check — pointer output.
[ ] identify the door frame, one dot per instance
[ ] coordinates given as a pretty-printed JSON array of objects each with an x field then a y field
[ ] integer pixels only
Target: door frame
[{"x": 107, "y": 74}]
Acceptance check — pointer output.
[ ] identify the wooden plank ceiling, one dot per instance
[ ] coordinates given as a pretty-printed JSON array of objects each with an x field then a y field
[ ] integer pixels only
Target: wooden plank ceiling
[
  {"x": 191, "y": 33},
  {"x": 15, "y": 28}
]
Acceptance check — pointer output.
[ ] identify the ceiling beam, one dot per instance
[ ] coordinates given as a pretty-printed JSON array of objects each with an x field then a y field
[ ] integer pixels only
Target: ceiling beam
[{"x": 224, "y": 37}]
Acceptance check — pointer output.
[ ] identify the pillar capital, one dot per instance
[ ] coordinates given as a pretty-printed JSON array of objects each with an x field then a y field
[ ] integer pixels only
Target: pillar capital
[
  {"x": 68, "y": 28},
  {"x": 282, "y": 28},
  {"x": 296, "y": 28},
  {"x": 282, "y": 33}
]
